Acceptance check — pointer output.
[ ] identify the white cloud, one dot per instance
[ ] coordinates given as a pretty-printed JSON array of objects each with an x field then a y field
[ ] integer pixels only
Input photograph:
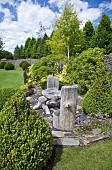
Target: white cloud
[
  {"x": 29, "y": 15},
  {"x": 106, "y": 5}
]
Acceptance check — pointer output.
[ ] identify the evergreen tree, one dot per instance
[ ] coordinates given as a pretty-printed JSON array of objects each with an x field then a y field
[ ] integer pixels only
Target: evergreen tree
[
  {"x": 102, "y": 36},
  {"x": 88, "y": 31},
  {"x": 17, "y": 52}
]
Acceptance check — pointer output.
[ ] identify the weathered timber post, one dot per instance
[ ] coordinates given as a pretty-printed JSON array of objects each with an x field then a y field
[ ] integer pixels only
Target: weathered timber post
[{"x": 68, "y": 107}]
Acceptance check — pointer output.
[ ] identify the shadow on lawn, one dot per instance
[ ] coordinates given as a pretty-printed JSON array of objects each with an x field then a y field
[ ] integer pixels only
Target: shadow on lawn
[{"x": 56, "y": 157}]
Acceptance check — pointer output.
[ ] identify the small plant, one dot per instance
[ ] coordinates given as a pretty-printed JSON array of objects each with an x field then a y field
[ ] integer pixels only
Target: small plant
[
  {"x": 25, "y": 65},
  {"x": 9, "y": 66},
  {"x": 26, "y": 139},
  {"x": 21, "y": 63},
  {"x": 2, "y": 64},
  {"x": 23, "y": 87}
]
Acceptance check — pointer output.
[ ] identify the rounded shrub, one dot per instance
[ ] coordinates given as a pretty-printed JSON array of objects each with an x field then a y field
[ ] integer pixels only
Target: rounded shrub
[
  {"x": 98, "y": 99},
  {"x": 21, "y": 63},
  {"x": 26, "y": 139},
  {"x": 9, "y": 66},
  {"x": 5, "y": 95},
  {"x": 25, "y": 65},
  {"x": 85, "y": 68},
  {"x": 2, "y": 64}
]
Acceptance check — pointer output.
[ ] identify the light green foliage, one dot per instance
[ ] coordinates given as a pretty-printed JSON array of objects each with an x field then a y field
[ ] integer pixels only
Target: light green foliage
[
  {"x": 45, "y": 66},
  {"x": 85, "y": 68},
  {"x": 66, "y": 33},
  {"x": 5, "y": 94},
  {"x": 99, "y": 97},
  {"x": 9, "y": 66},
  {"x": 26, "y": 139}
]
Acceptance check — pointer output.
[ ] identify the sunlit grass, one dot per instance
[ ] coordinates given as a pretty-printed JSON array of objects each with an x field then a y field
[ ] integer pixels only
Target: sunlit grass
[{"x": 11, "y": 78}]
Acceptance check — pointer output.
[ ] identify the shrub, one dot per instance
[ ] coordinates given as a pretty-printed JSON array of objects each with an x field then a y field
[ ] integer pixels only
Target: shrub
[
  {"x": 85, "y": 68},
  {"x": 21, "y": 63},
  {"x": 26, "y": 139},
  {"x": 9, "y": 66},
  {"x": 5, "y": 94},
  {"x": 25, "y": 65},
  {"x": 99, "y": 97},
  {"x": 2, "y": 64}
]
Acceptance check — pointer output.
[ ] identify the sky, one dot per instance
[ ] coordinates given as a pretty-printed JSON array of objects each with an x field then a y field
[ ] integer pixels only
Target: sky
[{"x": 20, "y": 19}]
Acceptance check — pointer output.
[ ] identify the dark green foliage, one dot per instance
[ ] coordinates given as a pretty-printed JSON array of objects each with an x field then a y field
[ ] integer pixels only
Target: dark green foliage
[
  {"x": 44, "y": 85},
  {"x": 2, "y": 64},
  {"x": 33, "y": 48},
  {"x": 85, "y": 68},
  {"x": 21, "y": 63},
  {"x": 103, "y": 34},
  {"x": 99, "y": 97},
  {"x": 9, "y": 66},
  {"x": 26, "y": 139},
  {"x": 25, "y": 65},
  {"x": 5, "y": 94},
  {"x": 88, "y": 31},
  {"x": 5, "y": 54}
]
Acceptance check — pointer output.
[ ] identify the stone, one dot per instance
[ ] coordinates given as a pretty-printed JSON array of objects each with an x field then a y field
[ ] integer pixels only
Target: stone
[
  {"x": 94, "y": 139},
  {"x": 45, "y": 107},
  {"x": 57, "y": 134},
  {"x": 51, "y": 93},
  {"x": 68, "y": 107},
  {"x": 52, "y": 82},
  {"x": 41, "y": 100},
  {"x": 66, "y": 141},
  {"x": 56, "y": 118}
]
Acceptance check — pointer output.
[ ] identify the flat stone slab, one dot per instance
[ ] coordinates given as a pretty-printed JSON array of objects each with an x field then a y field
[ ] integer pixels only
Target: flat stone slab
[
  {"x": 57, "y": 134},
  {"x": 66, "y": 141},
  {"x": 95, "y": 139}
]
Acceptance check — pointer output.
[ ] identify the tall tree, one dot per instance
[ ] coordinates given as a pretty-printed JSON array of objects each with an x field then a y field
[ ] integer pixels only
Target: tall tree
[
  {"x": 67, "y": 35},
  {"x": 1, "y": 44},
  {"x": 102, "y": 36},
  {"x": 17, "y": 52},
  {"x": 88, "y": 31}
]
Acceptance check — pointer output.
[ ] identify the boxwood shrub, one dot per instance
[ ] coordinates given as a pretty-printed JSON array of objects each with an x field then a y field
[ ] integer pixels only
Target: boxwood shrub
[
  {"x": 9, "y": 66},
  {"x": 2, "y": 64},
  {"x": 25, "y": 65},
  {"x": 99, "y": 97},
  {"x": 21, "y": 63},
  {"x": 26, "y": 139},
  {"x": 5, "y": 95}
]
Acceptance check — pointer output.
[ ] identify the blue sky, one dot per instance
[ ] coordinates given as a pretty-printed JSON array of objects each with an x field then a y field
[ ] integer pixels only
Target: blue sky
[{"x": 19, "y": 19}]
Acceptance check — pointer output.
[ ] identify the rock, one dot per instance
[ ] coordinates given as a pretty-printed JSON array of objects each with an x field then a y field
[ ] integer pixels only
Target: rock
[
  {"x": 94, "y": 139},
  {"x": 45, "y": 107},
  {"x": 52, "y": 82}
]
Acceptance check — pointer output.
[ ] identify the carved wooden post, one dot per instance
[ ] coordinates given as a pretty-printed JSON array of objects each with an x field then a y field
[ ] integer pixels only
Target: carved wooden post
[{"x": 68, "y": 107}]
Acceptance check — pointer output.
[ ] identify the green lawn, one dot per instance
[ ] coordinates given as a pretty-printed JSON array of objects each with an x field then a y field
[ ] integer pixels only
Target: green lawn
[
  {"x": 11, "y": 78},
  {"x": 97, "y": 156}
]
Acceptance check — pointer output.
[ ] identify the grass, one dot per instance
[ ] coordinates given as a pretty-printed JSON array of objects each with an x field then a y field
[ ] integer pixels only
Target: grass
[
  {"x": 97, "y": 156},
  {"x": 11, "y": 78}
]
